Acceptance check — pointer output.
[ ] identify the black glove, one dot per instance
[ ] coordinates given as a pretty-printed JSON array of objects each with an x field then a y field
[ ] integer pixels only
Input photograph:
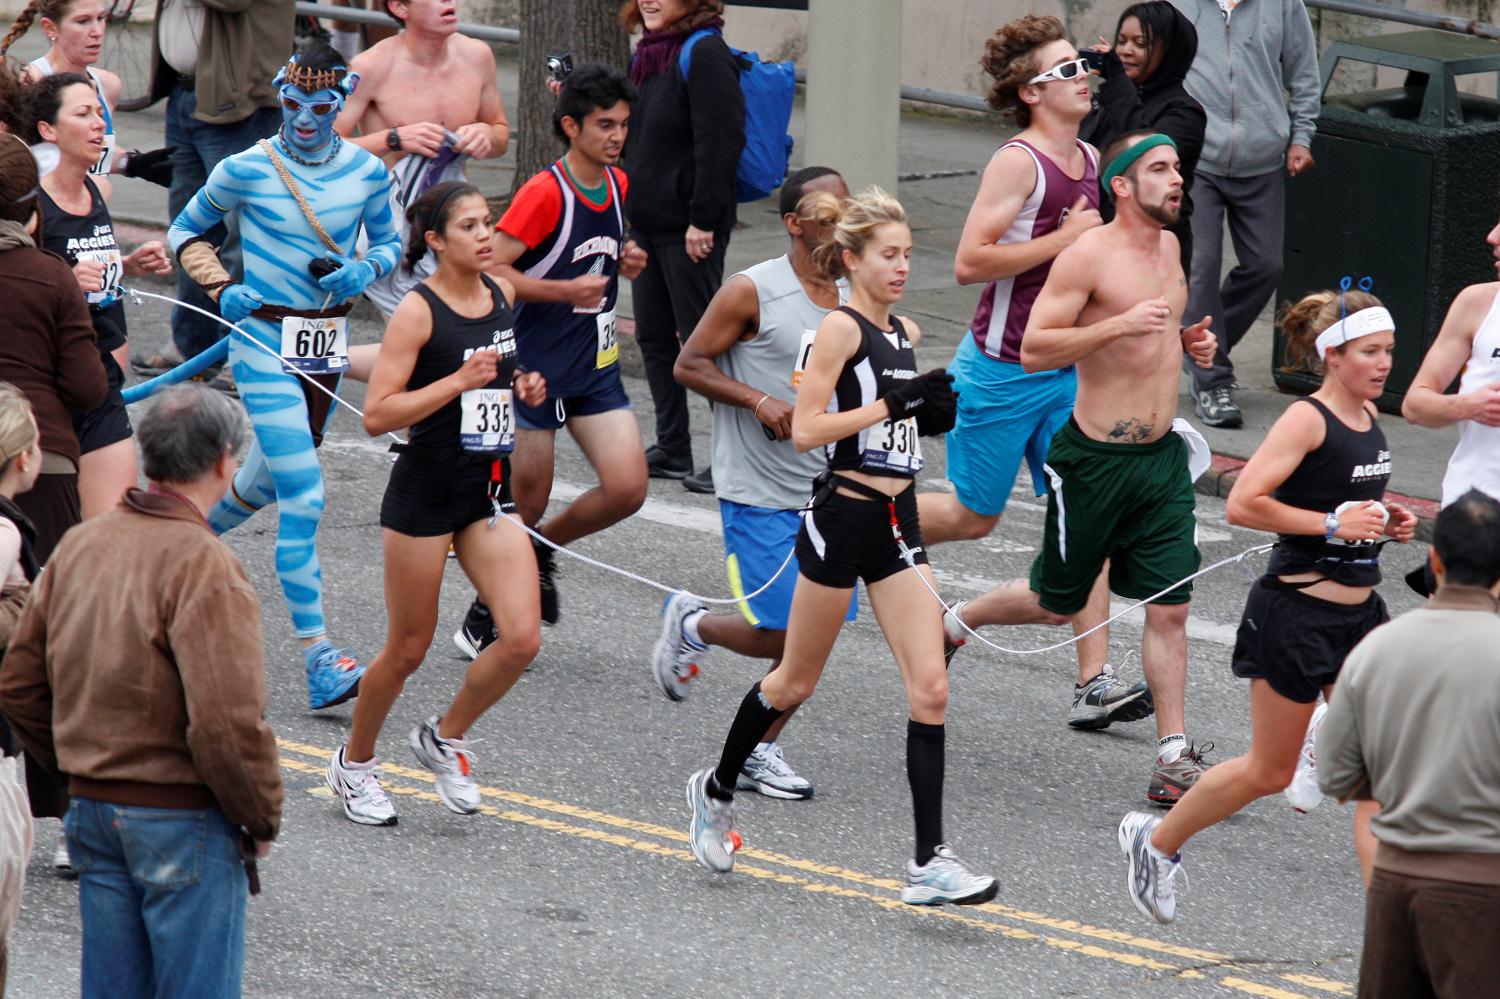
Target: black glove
[
  {"x": 155, "y": 165},
  {"x": 913, "y": 395},
  {"x": 940, "y": 413}
]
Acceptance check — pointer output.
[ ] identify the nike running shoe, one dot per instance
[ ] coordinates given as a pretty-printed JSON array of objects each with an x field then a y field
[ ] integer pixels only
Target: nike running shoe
[
  {"x": 450, "y": 761},
  {"x": 712, "y": 834},
  {"x": 546, "y": 573},
  {"x": 944, "y": 878},
  {"x": 769, "y": 774},
  {"x": 333, "y": 675},
  {"x": 1106, "y": 699},
  {"x": 1170, "y": 781},
  {"x": 357, "y": 785},
  {"x": 1303, "y": 792},
  {"x": 1151, "y": 879},
  {"x": 674, "y": 658},
  {"x": 478, "y": 632}
]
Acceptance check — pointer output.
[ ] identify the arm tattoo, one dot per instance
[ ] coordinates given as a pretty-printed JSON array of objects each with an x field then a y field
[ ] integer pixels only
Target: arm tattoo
[{"x": 1131, "y": 431}]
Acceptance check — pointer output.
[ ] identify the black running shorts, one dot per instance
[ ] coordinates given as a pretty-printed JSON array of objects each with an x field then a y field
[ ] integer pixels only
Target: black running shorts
[
  {"x": 107, "y": 423},
  {"x": 846, "y": 539},
  {"x": 1297, "y": 643},
  {"x": 431, "y": 493}
]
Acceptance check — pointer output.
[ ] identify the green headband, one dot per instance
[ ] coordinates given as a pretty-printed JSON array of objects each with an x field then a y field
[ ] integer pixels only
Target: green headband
[{"x": 1127, "y": 159}]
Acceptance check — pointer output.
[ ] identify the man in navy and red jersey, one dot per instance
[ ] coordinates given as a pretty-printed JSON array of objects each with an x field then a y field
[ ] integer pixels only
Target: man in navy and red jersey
[
  {"x": 1038, "y": 194},
  {"x": 562, "y": 244}
]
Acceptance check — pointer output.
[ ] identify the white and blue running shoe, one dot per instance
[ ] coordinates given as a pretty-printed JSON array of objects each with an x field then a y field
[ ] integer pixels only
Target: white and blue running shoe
[{"x": 944, "y": 878}]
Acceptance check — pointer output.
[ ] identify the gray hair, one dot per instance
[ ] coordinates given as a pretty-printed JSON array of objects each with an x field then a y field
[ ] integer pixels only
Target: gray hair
[{"x": 186, "y": 431}]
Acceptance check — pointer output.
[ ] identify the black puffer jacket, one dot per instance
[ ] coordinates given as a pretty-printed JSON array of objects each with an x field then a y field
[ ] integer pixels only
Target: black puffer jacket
[{"x": 1159, "y": 103}]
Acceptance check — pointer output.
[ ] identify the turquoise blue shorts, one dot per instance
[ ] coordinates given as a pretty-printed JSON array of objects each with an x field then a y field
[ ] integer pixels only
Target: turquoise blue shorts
[
  {"x": 1004, "y": 415},
  {"x": 756, "y": 542}
]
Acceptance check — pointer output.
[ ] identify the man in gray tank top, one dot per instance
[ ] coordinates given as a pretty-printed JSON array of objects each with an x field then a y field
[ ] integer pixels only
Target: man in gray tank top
[{"x": 746, "y": 355}]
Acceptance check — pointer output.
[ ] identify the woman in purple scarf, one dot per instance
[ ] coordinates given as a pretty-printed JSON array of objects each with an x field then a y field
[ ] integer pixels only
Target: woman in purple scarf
[{"x": 683, "y": 152}]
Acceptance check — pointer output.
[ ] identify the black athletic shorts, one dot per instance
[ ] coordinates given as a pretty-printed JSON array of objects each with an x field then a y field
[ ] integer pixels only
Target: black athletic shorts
[
  {"x": 109, "y": 423},
  {"x": 1297, "y": 643},
  {"x": 846, "y": 539},
  {"x": 431, "y": 493}
]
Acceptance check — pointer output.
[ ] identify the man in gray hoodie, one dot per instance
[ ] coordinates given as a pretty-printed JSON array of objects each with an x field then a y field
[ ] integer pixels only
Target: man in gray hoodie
[{"x": 1256, "y": 75}]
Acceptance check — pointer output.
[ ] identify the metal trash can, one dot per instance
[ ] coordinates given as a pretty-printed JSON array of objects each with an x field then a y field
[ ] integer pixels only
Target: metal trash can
[{"x": 1407, "y": 185}]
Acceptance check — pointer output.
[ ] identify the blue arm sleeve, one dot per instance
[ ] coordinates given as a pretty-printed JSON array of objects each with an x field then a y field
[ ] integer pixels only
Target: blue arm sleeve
[
  {"x": 381, "y": 231},
  {"x": 214, "y": 200}
]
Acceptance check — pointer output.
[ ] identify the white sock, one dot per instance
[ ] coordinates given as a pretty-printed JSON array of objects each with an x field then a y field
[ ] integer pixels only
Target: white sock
[
  {"x": 345, "y": 42},
  {"x": 764, "y": 748},
  {"x": 690, "y": 628},
  {"x": 1169, "y": 748}
]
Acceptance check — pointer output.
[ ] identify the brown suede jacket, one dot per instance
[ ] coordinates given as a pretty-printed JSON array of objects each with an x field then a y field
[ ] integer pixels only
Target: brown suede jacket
[{"x": 137, "y": 669}]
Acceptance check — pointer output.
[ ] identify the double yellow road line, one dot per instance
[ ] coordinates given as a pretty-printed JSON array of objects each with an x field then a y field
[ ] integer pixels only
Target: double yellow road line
[{"x": 1012, "y": 923}]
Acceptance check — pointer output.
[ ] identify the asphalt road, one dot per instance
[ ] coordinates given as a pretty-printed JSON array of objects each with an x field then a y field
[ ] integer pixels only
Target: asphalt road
[{"x": 576, "y": 879}]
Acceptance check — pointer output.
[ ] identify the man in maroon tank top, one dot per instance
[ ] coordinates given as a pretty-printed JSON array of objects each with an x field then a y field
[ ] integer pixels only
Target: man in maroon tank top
[{"x": 1038, "y": 194}]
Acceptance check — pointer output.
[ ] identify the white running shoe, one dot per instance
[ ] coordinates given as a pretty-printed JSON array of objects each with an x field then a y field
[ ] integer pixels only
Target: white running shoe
[
  {"x": 674, "y": 659},
  {"x": 62, "y": 862},
  {"x": 357, "y": 785},
  {"x": 944, "y": 878},
  {"x": 1151, "y": 877},
  {"x": 1303, "y": 792},
  {"x": 712, "y": 834},
  {"x": 954, "y": 634},
  {"x": 450, "y": 761},
  {"x": 769, "y": 774}
]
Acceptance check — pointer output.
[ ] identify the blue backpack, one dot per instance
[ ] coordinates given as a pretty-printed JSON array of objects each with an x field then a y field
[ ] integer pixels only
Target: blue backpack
[{"x": 768, "y": 88}]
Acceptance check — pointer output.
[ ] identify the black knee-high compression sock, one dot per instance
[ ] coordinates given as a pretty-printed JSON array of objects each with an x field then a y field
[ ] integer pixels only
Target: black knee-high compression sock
[
  {"x": 924, "y": 770},
  {"x": 750, "y": 724}
]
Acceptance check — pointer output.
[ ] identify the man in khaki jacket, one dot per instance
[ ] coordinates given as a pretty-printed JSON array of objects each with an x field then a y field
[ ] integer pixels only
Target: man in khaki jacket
[{"x": 138, "y": 671}]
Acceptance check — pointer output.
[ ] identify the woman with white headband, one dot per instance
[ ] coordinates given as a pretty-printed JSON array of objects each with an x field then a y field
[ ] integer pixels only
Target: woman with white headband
[{"x": 1317, "y": 481}]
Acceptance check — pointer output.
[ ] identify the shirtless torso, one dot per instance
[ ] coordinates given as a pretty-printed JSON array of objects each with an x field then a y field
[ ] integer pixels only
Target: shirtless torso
[
  {"x": 424, "y": 86},
  {"x": 1113, "y": 306}
]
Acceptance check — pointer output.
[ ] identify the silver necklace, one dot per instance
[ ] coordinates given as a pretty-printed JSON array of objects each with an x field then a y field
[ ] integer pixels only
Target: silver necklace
[{"x": 286, "y": 147}]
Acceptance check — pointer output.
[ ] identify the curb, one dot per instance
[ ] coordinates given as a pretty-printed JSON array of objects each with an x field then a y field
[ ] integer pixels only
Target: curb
[{"x": 1222, "y": 474}]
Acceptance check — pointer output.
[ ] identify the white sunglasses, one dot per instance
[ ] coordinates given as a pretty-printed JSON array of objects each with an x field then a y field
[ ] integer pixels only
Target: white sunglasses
[{"x": 1063, "y": 71}]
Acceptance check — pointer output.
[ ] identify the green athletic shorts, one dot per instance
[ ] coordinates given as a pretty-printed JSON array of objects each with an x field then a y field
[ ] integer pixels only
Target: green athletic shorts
[{"x": 1129, "y": 503}]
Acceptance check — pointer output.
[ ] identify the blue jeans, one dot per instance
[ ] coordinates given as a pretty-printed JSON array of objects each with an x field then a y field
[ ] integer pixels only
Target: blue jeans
[
  {"x": 199, "y": 147},
  {"x": 162, "y": 892}
]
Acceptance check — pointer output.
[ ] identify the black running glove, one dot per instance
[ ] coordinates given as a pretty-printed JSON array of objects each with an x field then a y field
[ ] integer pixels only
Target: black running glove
[
  {"x": 912, "y": 396},
  {"x": 940, "y": 413},
  {"x": 155, "y": 165}
]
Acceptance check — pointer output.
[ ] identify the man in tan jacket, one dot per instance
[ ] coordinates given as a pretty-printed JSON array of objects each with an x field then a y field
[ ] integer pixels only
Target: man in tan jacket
[{"x": 138, "y": 671}]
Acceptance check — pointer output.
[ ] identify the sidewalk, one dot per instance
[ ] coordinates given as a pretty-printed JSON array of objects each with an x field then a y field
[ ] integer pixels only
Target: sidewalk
[{"x": 932, "y": 149}]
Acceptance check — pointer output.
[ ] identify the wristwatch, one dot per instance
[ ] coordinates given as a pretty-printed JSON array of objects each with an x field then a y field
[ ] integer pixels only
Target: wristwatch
[
  {"x": 393, "y": 140},
  {"x": 1330, "y": 525}
]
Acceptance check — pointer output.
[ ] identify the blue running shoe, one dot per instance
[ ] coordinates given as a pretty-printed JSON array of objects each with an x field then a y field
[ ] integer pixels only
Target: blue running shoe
[{"x": 333, "y": 675}]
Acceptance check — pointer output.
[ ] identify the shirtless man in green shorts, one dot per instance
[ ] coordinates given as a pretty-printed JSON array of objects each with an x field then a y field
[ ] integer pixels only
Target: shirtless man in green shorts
[{"x": 1118, "y": 481}]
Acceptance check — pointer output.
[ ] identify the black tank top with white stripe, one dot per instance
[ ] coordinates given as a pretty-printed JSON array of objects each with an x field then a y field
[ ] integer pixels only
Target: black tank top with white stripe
[
  {"x": 454, "y": 338},
  {"x": 1350, "y": 465},
  {"x": 883, "y": 360}
]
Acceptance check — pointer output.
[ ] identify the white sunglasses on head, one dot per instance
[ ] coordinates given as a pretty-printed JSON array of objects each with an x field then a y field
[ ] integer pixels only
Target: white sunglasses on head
[{"x": 1063, "y": 71}]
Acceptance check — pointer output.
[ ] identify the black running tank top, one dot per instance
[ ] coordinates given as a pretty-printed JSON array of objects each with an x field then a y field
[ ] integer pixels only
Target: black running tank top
[
  {"x": 90, "y": 237},
  {"x": 882, "y": 361},
  {"x": 1349, "y": 465},
  {"x": 480, "y": 421}
]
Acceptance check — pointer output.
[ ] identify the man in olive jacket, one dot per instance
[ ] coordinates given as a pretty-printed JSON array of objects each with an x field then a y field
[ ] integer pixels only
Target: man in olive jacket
[{"x": 137, "y": 670}]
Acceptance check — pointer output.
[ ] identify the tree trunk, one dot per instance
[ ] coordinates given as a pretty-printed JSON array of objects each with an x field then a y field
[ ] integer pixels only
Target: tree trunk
[{"x": 587, "y": 30}]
